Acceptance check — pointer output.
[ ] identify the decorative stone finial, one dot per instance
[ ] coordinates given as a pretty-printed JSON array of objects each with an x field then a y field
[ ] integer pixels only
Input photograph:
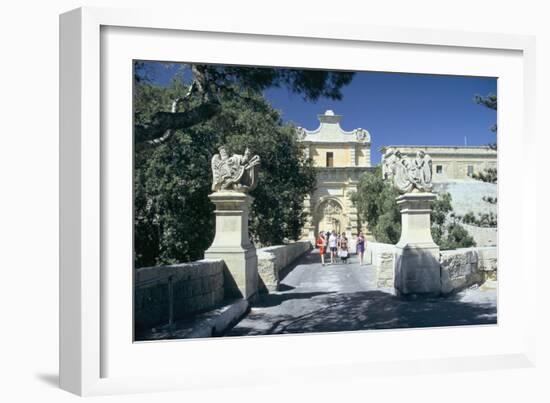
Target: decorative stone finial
[
  {"x": 238, "y": 172},
  {"x": 329, "y": 117},
  {"x": 408, "y": 174}
]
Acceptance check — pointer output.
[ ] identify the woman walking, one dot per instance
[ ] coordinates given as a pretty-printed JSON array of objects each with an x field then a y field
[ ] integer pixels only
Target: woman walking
[
  {"x": 361, "y": 247},
  {"x": 322, "y": 245}
]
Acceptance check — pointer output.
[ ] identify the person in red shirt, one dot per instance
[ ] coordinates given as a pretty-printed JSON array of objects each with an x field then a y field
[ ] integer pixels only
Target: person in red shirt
[{"x": 322, "y": 245}]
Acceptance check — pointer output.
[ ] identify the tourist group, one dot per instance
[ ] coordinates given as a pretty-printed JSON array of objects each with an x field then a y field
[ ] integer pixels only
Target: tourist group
[{"x": 337, "y": 246}]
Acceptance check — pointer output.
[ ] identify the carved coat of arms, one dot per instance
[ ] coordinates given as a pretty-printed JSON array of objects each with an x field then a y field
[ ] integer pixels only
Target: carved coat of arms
[
  {"x": 408, "y": 174},
  {"x": 238, "y": 172}
]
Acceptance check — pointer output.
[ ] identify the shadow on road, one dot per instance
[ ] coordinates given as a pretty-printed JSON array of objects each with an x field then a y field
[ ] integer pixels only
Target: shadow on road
[
  {"x": 360, "y": 311},
  {"x": 270, "y": 300}
]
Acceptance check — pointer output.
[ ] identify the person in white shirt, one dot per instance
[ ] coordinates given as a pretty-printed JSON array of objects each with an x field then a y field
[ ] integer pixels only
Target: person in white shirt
[{"x": 333, "y": 246}]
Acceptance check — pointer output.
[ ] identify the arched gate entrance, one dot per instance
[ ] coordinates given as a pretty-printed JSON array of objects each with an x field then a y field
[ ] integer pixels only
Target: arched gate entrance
[{"x": 329, "y": 216}]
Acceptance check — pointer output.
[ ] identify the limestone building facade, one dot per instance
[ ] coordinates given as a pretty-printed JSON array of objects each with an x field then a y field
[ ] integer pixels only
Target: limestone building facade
[
  {"x": 451, "y": 163},
  {"x": 340, "y": 157}
]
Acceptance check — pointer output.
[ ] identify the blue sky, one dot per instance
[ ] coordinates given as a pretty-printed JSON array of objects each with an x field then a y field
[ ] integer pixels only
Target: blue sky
[{"x": 398, "y": 109}]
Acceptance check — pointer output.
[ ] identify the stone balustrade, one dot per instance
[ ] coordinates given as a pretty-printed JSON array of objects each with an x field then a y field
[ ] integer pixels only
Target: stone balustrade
[{"x": 273, "y": 259}]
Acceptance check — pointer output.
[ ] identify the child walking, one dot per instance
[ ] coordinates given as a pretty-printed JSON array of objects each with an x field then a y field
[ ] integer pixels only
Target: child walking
[{"x": 344, "y": 251}]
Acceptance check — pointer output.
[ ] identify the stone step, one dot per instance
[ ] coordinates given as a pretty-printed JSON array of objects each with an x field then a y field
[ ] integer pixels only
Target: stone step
[{"x": 207, "y": 324}]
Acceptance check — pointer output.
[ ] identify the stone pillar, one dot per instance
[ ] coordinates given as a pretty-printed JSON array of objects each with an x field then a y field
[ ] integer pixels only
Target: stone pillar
[
  {"x": 352, "y": 155},
  {"x": 417, "y": 268},
  {"x": 232, "y": 243},
  {"x": 307, "y": 151},
  {"x": 366, "y": 152},
  {"x": 308, "y": 229}
]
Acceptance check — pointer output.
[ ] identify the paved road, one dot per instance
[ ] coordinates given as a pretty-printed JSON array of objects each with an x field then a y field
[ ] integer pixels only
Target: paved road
[{"x": 339, "y": 297}]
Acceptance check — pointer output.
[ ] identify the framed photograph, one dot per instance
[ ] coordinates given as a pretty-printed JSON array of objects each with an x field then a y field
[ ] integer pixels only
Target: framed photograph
[{"x": 231, "y": 191}]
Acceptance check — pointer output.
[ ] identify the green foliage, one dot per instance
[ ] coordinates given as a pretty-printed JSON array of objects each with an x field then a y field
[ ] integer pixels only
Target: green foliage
[
  {"x": 446, "y": 229},
  {"x": 489, "y": 101},
  {"x": 209, "y": 85},
  {"x": 173, "y": 216},
  {"x": 487, "y": 220},
  {"x": 489, "y": 199},
  {"x": 375, "y": 202},
  {"x": 285, "y": 175},
  {"x": 488, "y": 175},
  {"x": 310, "y": 84},
  {"x": 455, "y": 236},
  {"x": 441, "y": 209}
]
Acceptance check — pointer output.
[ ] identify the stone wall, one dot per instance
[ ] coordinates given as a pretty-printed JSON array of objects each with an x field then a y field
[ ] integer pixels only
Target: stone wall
[
  {"x": 463, "y": 268},
  {"x": 382, "y": 257},
  {"x": 482, "y": 236},
  {"x": 460, "y": 268},
  {"x": 167, "y": 293},
  {"x": 487, "y": 261},
  {"x": 273, "y": 259}
]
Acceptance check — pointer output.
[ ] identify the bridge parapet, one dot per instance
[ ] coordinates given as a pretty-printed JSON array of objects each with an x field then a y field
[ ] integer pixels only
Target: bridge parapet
[
  {"x": 463, "y": 268},
  {"x": 274, "y": 259},
  {"x": 164, "y": 294},
  {"x": 460, "y": 268}
]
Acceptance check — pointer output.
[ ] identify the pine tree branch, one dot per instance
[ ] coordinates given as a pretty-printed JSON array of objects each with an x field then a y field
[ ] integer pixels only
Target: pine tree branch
[{"x": 164, "y": 124}]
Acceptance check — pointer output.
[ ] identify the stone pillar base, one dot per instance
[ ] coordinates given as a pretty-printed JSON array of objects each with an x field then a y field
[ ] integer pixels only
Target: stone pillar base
[
  {"x": 417, "y": 270},
  {"x": 232, "y": 244},
  {"x": 417, "y": 267},
  {"x": 241, "y": 274}
]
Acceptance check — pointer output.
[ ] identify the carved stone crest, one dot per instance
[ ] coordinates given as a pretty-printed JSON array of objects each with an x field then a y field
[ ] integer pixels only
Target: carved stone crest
[
  {"x": 331, "y": 208},
  {"x": 408, "y": 174},
  {"x": 361, "y": 135},
  {"x": 238, "y": 172}
]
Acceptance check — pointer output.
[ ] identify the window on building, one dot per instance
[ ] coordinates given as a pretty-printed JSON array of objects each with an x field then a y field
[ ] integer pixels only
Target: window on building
[
  {"x": 439, "y": 169},
  {"x": 330, "y": 159},
  {"x": 470, "y": 170}
]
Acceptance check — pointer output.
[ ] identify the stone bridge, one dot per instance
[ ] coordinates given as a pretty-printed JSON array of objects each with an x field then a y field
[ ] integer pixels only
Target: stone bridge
[{"x": 300, "y": 295}]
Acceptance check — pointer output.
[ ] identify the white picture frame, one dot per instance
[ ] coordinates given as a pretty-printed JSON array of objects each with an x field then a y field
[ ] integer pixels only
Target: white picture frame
[{"x": 88, "y": 313}]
